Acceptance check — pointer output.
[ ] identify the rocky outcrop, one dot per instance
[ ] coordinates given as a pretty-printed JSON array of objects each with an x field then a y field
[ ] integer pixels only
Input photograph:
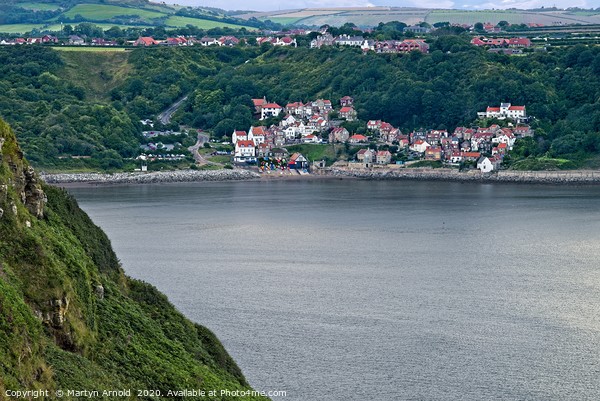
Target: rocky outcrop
[{"x": 22, "y": 181}]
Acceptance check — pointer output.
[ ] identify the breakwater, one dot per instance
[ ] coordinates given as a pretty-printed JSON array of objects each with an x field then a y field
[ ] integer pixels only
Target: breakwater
[
  {"x": 426, "y": 174},
  {"x": 150, "y": 178}
]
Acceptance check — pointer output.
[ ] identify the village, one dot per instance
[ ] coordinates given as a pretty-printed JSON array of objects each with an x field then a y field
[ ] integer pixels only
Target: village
[
  {"x": 286, "y": 38},
  {"x": 318, "y": 122}
]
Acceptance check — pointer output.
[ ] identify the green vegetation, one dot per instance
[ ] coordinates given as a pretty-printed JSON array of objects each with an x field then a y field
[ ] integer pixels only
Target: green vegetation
[
  {"x": 315, "y": 152},
  {"x": 99, "y": 12},
  {"x": 40, "y": 6},
  {"x": 177, "y": 21},
  {"x": 71, "y": 319}
]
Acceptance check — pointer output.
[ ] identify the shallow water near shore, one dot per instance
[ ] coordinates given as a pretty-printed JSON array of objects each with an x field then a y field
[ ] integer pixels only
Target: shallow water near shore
[{"x": 379, "y": 290}]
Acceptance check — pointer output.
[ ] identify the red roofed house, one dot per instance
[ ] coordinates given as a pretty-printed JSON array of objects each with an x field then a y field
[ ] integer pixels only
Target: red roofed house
[
  {"x": 239, "y": 136},
  {"x": 409, "y": 45},
  {"x": 258, "y": 104},
  {"x": 365, "y": 155},
  {"x": 244, "y": 150},
  {"x": 286, "y": 41},
  {"x": 506, "y": 110},
  {"x": 433, "y": 153},
  {"x": 298, "y": 161},
  {"x": 470, "y": 156},
  {"x": 339, "y": 134},
  {"x": 519, "y": 42},
  {"x": 348, "y": 113},
  {"x": 420, "y": 146},
  {"x": 374, "y": 124},
  {"x": 346, "y": 101},
  {"x": 179, "y": 41},
  {"x": 357, "y": 138},
  {"x": 270, "y": 110},
  {"x": 228, "y": 41},
  {"x": 257, "y": 134},
  {"x": 383, "y": 157},
  {"x": 295, "y": 108},
  {"x": 310, "y": 139},
  {"x": 262, "y": 150},
  {"x": 145, "y": 41}
]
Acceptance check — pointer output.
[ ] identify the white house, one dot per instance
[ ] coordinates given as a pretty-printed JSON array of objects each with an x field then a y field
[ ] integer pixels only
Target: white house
[
  {"x": 256, "y": 135},
  {"x": 270, "y": 110},
  {"x": 506, "y": 110},
  {"x": 244, "y": 150},
  {"x": 310, "y": 139},
  {"x": 239, "y": 136},
  {"x": 487, "y": 164},
  {"x": 289, "y": 120},
  {"x": 420, "y": 146}
]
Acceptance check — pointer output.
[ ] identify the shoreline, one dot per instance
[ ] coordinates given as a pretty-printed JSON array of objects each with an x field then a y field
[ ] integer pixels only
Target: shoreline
[{"x": 576, "y": 177}]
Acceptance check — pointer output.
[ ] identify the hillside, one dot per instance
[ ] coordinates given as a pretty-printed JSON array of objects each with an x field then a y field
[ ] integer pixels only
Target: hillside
[
  {"x": 372, "y": 16},
  {"x": 71, "y": 319},
  {"x": 24, "y": 16}
]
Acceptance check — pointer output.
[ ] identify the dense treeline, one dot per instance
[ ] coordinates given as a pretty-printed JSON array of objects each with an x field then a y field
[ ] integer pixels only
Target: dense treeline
[
  {"x": 56, "y": 114},
  {"x": 52, "y": 115}
]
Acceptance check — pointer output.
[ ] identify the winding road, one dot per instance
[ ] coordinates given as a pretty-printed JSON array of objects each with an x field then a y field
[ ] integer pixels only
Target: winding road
[
  {"x": 165, "y": 116},
  {"x": 201, "y": 139}
]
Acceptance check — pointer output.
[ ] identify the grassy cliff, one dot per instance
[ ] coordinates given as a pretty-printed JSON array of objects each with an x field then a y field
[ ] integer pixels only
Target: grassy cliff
[{"x": 71, "y": 319}]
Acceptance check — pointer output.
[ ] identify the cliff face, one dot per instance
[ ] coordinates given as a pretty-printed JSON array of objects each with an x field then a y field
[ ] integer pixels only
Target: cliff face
[{"x": 70, "y": 318}]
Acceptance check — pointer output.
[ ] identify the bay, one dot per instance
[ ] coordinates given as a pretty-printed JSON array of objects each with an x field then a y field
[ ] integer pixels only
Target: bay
[{"x": 379, "y": 290}]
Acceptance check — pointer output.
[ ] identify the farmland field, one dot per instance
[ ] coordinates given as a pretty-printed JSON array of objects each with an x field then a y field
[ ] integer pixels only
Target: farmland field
[
  {"x": 97, "y": 49},
  {"x": 39, "y": 6},
  {"x": 19, "y": 28},
  {"x": 178, "y": 21},
  {"x": 372, "y": 16},
  {"x": 24, "y": 28},
  {"x": 102, "y": 12}
]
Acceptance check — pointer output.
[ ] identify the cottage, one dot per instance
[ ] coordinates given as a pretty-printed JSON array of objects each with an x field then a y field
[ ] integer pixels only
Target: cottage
[
  {"x": 346, "y": 101},
  {"x": 420, "y": 146},
  {"x": 487, "y": 164},
  {"x": 145, "y": 41},
  {"x": 207, "y": 41},
  {"x": 270, "y": 110},
  {"x": 228, "y": 41},
  {"x": 433, "y": 153},
  {"x": 244, "y": 150},
  {"x": 76, "y": 40},
  {"x": 357, "y": 138},
  {"x": 339, "y": 134},
  {"x": 298, "y": 161},
  {"x": 310, "y": 139},
  {"x": 383, "y": 157},
  {"x": 506, "y": 110},
  {"x": 348, "y": 113},
  {"x": 365, "y": 155},
  {"x": 239, "y": 136}
]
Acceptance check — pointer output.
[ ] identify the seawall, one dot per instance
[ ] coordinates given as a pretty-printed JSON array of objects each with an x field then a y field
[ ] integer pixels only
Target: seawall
[{"x": 150, "y": 178}]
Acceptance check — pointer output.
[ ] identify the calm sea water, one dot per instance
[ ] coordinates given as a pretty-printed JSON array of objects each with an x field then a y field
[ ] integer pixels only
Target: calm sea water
[{"x": 355, "y": 290}]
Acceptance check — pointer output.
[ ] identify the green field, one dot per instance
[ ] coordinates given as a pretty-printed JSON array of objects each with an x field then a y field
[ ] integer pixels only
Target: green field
[
  {"x": 39, "y": 6},
  {"x": 24, "y": 28},
  {"x": 102, "y": 12},
  {"x": 96, "y": 49},
  {"x": 471, "y": 17},
  {"x": 19, "y": 28},
  {"x": 181, "y": 22},
  {"x": 283, "y": 20}
]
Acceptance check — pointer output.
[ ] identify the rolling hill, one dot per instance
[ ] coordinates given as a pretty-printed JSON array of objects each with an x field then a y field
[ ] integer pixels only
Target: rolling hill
[
  {"x": 23, "y": 17},
  {"x": 371, "y": 16}
]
